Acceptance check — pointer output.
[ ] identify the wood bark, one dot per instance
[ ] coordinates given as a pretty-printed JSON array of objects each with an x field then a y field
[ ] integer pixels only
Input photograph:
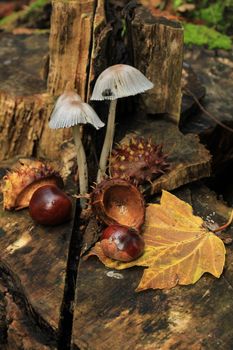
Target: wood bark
[{"x": 157, "y": 45}]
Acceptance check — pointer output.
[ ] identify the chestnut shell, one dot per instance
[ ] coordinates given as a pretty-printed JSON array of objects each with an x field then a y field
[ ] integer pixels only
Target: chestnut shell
[
  {"x": 23, "y": 179},
  {"x": 24, "y": 197},
  {"x": 117, "y": 201}
]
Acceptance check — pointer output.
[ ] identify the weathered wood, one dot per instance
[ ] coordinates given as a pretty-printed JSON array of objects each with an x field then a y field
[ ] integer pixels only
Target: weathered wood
[
  {"x": 3, "y": 317},
  {"x": 98, "y": 57},
  {"x": 33, "y": 263},
  {"x": 24, "y": 104},
  {"x": 157, "y": 45},
  {"x": 70, "y": 45},
  {"x": 109, "y": 314},
  {"x": 17, "y": 331}
]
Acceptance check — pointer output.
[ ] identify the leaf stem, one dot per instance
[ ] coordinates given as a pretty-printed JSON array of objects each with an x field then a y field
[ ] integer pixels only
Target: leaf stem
[
  {"x": 207, "y": 112},
  {"x": 221, "y": 228}
]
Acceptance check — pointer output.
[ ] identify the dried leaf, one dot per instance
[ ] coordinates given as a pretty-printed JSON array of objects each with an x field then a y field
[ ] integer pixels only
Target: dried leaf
[{"x": 179, "y": 250}]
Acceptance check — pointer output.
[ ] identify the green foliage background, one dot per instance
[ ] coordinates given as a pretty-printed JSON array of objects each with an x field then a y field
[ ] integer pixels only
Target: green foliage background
[{"x": 216, "y": 23}]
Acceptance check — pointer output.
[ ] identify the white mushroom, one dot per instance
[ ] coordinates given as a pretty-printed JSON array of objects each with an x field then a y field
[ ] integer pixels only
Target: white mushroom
[
  {"x": 117, "y": 81},
  {"x": 70, "y": 111}
]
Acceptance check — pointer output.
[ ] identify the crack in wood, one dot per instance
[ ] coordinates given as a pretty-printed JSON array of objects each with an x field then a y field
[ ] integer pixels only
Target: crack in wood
[
  {"x": 66, "y": 317},
  {"x": 15, "y": 290}
]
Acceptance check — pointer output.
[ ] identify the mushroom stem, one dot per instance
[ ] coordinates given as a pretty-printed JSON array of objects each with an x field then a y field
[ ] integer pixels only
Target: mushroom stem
[
  {"x": 82, "y": 164},
  {"x": 108, "y": 141}
]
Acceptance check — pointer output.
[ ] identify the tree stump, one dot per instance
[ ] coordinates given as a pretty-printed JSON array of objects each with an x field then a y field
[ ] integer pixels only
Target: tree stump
[
  {"x": 157, "y": 45},
  {"x": 33, "y": 260}
]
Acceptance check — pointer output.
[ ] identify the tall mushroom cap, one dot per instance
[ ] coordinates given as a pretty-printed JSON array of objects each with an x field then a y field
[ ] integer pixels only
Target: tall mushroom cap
[
  {"x": 120, "y": 80},
  {"x": 70, "y": 110}
]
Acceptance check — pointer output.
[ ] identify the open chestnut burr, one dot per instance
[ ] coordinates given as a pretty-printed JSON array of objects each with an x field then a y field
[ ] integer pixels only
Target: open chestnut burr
[{"x": 117, "y": 201}]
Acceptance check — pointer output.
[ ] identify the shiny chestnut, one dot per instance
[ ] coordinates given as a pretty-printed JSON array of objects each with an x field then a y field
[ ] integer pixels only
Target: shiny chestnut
[
  {"x": 50, "y": 206},
  {"x": 122, "y": 243}
]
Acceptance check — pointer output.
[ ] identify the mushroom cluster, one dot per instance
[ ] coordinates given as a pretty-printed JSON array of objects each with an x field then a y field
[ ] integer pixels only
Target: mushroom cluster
[{"x": 116, "y": 202}]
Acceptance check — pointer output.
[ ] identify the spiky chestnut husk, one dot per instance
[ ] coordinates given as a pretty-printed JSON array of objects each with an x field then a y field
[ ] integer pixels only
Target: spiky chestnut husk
[
  {"x": 117, "y": 201},
  {"x": 24, "y": 179},
  {"x": 139, "y": 160}
]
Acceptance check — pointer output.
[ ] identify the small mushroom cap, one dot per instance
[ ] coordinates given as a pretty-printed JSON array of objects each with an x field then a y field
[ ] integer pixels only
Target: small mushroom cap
[
  {"x": 69, "y": 110},
  {"x": 67, "y": 96},
  {"x": 120, "y": 80}
]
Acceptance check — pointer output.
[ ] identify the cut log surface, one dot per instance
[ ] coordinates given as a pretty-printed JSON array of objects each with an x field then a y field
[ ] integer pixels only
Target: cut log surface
[
  {"x": 109, "y": 314},
  {"x": 33, "y": 264}
]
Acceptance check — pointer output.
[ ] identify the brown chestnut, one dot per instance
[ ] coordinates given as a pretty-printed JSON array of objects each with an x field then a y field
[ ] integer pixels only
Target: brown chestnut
[
  {"x": 122, "y": 243},
  {"x": 50, "y": 206}
]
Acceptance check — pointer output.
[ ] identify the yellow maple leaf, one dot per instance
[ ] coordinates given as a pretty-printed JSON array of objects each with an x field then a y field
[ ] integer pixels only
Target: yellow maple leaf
[{"x": 178, "y": 249}]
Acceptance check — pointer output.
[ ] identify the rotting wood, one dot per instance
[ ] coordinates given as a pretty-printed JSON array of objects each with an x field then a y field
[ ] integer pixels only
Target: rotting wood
[
  {"x": 3, "y": 315},
  {"x": 70, "y": 45},
  {"x": 98, "y": 54},
  {"x": 18, "y": 331},
  {"x": 24, "y": 104},
  {"x": 110, "y": 313},
  {"x": 157, "y": 45}
]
